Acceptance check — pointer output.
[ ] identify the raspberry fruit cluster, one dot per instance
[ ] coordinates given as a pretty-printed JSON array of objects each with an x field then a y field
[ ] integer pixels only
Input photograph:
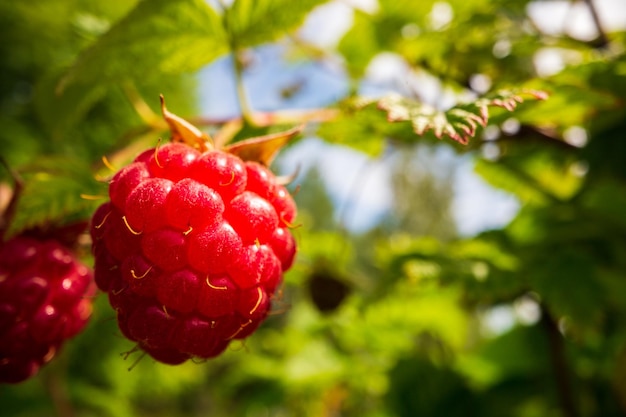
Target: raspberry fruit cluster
[
  {"x": 190, "y": 249},
  {"x": 44, "y": 300}
]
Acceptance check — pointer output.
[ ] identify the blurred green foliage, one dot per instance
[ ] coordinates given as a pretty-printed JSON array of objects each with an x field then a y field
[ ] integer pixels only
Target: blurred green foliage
[{"x": 396, "y": 321}]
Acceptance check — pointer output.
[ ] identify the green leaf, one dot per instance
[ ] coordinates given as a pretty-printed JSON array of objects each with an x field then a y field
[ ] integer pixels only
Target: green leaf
[
  {"x": 535, "y": 175},
  {"x": 589, "y": 92},
  {"x": 568, "y": 283},
  {"x": 361, "y": 130},
  {"x": 251, "y": 22},
  {"x": 446, "y": 393},
  {"x": 608, "y": 199},
  {"x": 157, "y": 37},
  {"x": 528, "y": 345},
  {"x": 55, "y": 195},
  {"x": 371, "y": 34},
  {"x": 360, "y": 44},
  {"x": 406, "y": 28},
  {"x": 569, "y": 105},
  {"x": 513, "y": 181},
  {"x": 486, "y": 271},
  {"x": 58, "y": 112},
  {"x": 459, "y": 123}
]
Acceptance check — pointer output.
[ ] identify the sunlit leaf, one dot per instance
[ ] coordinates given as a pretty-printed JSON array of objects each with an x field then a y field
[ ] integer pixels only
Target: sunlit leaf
[
  {"x": 459, "y": 123},
  {"x": 362, "y": 130},
  {"x": 55, "y": 195},
  {"x": 157, "y": 37},
  {"x": 483, "y": 249},
  {"x": 251, "y": 22},
  {"x": 534, "y": 175},
  {"x": 588, "y": 92},
  {"x": 506, "y": 179},
  {"x": 383, "y": 31},
  {"x": 359, "y": 45}
]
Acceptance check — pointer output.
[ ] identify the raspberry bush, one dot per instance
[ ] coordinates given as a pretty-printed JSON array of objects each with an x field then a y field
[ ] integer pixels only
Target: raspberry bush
[
  {"x": 44, "y": 300},
  {"x": 388, "y": 290},
  {"x": 192, "y": 246}
]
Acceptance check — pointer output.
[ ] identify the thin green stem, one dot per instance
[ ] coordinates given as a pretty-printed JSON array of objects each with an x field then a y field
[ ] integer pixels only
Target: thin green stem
[
  {"x": 242, "y": 96},
  {"x": 238, "y": 67},
  {"x": 145, "y": 113},
  {"x": 55, "y": 382}
]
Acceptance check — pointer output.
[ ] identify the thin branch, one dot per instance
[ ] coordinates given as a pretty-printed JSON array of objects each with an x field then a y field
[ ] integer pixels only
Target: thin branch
[
  {"x": 562, "y": 374},
  {"x": 603, "y": 40},
  {"x": 263, "y": 119},
  {"x": 55, "y": 382},
  {"x": 529, "y": 132}
]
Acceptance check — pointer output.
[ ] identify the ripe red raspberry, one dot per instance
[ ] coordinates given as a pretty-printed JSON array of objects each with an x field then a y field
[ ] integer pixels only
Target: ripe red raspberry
[
  {"x": 44, "y": 300},
  {"x": 190, "y": 249}
]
